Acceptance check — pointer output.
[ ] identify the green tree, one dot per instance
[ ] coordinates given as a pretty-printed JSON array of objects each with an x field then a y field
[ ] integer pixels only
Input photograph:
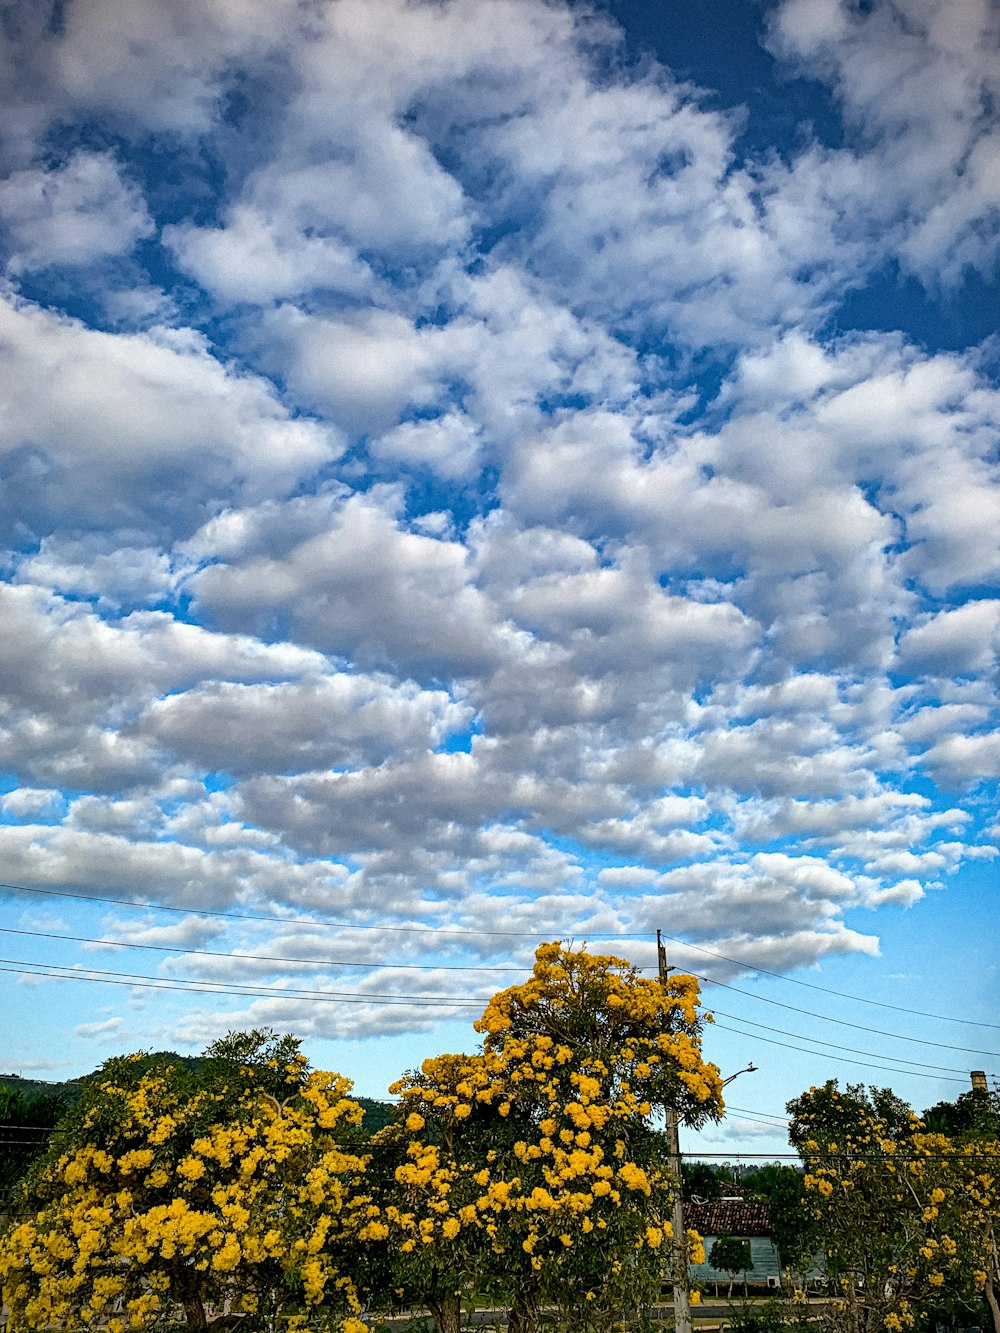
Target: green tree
[
  {"x": 905, "y": 1216},
  {"x": 975, "y": 1115},
  {"x": 702, "y": 1181},
  {"x": 26, "y": 1119},
  {"x": 190, "y": 1188},
  {"x": 790, "y": 1211},
  {"x": 730, "y": 1255}
]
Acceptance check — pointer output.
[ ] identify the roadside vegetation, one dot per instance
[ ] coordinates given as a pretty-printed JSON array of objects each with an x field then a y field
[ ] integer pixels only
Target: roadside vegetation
[{"x": 243, "y": 1188}]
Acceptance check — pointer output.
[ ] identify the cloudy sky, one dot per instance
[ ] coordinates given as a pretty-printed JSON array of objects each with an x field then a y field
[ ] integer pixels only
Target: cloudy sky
[{"x": 478, "y": 471}]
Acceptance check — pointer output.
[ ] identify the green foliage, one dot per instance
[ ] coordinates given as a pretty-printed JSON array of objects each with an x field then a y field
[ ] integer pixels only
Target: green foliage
[
  {"x": 793, "y": 1226},
  {"x": 702, "y": 1181},
  {"x": 730, "y": 1255},
  {"x": 25, "y": 1118},
  {"x": 777, "y": 1315},
  {"x": 975, "y": 1114},
  {"x": 377, "y": 1115}
]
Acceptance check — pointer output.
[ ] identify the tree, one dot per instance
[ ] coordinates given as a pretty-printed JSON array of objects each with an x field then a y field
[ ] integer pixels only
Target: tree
[
  {"x": 180, "y": 1188},
  {"x": 26, "y": 1118},
  {"x": 535, "y": 1163},
  {"x": 730, "y": 1255},
  {"x": 905, "y": 1216},
  {"x": 702, "y": 1181},
  {"x": 974, "y": 1114},
  {"x": 790, "y": 1211}
]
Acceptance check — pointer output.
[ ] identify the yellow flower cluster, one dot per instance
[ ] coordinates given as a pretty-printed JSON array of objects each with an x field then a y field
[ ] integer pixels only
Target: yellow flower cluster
[
  {"x": 172, "y": 1190},
  {"x": 539, "y": 1148},
  {"x": 886, "y": 1192}
]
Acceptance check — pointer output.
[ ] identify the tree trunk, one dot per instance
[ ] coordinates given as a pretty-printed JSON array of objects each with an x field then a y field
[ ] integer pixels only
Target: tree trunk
[
  {"x": 523, "y": 1314},
  {"x": 447, "y": 1314},
  {"x": 991, "y": 1297},
  {"x": 194, "y": 1312}
]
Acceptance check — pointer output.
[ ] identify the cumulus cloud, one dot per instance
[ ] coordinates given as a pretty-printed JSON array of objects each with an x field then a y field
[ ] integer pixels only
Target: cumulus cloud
[
  {"x": 327, "y": 722},
  {"x": 928, "y": 177},
  {"x": 458, "y": 510},
  {"x": 104, "y": 1028},
  {"x": 135, "y": 430},
  {"x": 73, "y": 215}
]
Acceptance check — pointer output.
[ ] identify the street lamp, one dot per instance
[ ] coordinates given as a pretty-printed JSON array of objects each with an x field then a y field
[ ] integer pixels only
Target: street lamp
[{"x": 750, "y": 1069}]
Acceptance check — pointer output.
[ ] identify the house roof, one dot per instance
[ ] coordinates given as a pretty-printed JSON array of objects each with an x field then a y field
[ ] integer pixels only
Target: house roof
[{"x": 740, "y": 1217}]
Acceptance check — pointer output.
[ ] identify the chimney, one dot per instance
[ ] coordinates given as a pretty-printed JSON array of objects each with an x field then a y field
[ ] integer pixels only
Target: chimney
[{"x": 979, "y": 1083}]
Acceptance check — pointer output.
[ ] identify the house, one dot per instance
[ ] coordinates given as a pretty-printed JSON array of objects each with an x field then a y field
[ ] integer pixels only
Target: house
[{"x": 746, "y": 1219}]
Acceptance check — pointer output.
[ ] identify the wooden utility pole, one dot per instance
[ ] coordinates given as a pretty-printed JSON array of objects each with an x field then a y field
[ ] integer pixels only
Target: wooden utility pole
[{"x": 682, "y": 1300}]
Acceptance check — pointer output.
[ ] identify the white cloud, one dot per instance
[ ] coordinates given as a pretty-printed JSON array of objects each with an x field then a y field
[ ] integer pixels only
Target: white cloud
[
  {"x": 71, "y": 215},
  {"x": 429, "y": 619},
  {"x": 364, "y": 369},
  {"x": 316, "y": 723},
  {"x": 137, "y": 430},
  {"x": 925, "y": 168},
  {"x": 251, "y": 260},
  {"x": 958, "y": 761},
  {"x": 104, "y": 1028},
  {"x": 29, "y": 802},
  {"x": 448, "y": 445},
  {"x": 959, "y": 642}
]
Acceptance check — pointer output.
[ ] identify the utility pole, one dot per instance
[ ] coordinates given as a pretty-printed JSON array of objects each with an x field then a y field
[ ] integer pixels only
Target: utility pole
[{"x": 682, "y": 1297}]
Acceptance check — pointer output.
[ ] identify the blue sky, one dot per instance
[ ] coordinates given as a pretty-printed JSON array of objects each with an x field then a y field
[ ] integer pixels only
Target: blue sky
[{"x": 475, "y": 473}]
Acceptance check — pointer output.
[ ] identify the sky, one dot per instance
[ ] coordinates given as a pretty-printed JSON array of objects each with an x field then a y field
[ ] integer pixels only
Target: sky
[{"x": 484, "y": 471}]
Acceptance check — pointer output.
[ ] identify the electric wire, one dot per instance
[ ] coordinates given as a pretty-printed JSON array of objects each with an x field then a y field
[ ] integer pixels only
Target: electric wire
[
  {"x": 299, "y": 994},
  {"x": 827, "y": 990},
  {"x": 745, "y": 1110},
  {"x": 361, "y": 965},
  {"x": 539, "y": 935},
  {"x": 878, "y": 1055},
  {"x": 845, "y": 1059},
  {"x": 187, "y": 984},
  {"x": 307, "y": 921},
  {"x": 843, "y": 1022},
  {"x": 259, "y": 957}
]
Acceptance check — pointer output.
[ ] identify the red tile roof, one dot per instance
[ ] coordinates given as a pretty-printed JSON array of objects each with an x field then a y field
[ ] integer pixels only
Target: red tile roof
[{"x": 740, "y": 1217}]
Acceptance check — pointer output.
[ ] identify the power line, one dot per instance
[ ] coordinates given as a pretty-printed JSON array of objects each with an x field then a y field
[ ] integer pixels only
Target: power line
[
  {"x": 843, "y": 1022},
  {"x": 827, "y": 990},
  {"x": 307, "y": 921},
  {"x": 258, "y": 957},
  {"x": 745, "y": 1110},
  {"x": 457, "y": 933},
  {"x": 895, "y": 1158},
  {"x": 359, "y": 1145},
  {"x": 758, "y": 1120},
  {"x": 374, "y": 965},
  {"x": 219, "y": 988},
  {"x": 846, "y": 1059},
  {"x": 59, "y": 972},
  {"x": 878, "y": 1055}
]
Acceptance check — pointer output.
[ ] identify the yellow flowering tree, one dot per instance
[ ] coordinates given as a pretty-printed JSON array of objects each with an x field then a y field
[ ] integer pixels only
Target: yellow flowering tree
[
  {"x": 904, "y": 1216},
  {"x": 533, "y": 1168},
  {"x": 190, "y": 1190},
  {"x": 425, "y": 1232}
]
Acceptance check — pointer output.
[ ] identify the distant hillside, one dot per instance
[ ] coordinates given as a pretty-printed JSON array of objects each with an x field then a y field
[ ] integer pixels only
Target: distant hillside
[
  {"x": 39, "y": 1087},
  {"x": 30, "y": 1107},
  {"x": 377, "y": 1114}
]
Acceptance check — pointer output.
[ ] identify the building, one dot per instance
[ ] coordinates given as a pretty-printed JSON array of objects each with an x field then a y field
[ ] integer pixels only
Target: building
[{"x": 746, "y": 1219}]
